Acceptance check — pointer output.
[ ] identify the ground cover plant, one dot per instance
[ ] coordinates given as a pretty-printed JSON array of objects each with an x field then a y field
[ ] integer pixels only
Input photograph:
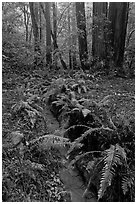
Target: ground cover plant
[
  {"x": 92, "y": 142},
  {"x": 68, "y": 102}
]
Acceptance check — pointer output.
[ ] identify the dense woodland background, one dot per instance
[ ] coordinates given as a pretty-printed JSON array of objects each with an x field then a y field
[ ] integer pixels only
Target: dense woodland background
[
  {"x": 68, "y": 101},
  {"x": 70, "y": 35}
]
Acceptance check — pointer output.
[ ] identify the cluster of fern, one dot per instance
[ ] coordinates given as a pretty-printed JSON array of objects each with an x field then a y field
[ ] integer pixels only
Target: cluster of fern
[
  {"x": 107, "y": 156},
  {"x": 31, "y": 156},
  {"x": 101, "y": 149}
]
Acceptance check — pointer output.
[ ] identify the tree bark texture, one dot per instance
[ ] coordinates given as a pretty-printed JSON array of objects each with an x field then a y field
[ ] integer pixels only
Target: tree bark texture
[
  {"x": 26, "y": 20},
  {"x": 70, "y": 41},
  {"x": 74, "y": 40},
  {"x": 118, "y": 16},
  {"x": 40, "y": 28},
  {"x": 35, "y": 33},
  {"x": 48, "y": 33},
  {"x": 99, "y": 16},
  {"x": 82, "y": 35},
  {"x": 54, "y": 6},
  {"x": 55, "y": 24}
]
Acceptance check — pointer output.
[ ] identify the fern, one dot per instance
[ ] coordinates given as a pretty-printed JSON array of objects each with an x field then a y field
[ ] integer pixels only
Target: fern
[
  {"x": 23, "y": 105},
  {"x": 128, "y": 182},
  {"x": 77, "y": 158},
  {"x": 56, "y": 87},
  {"x": 98, "y": 111},
  {"x": 62, "y": 102},
  {"x": 115, "y": 156},
  {"x": 79, "y": 87},
  {"x": 75, "y": 126},
  {"x": 28, "y": 115},
  {"x": 51, "y": 141},
  {"x": 88, "y": 132}
]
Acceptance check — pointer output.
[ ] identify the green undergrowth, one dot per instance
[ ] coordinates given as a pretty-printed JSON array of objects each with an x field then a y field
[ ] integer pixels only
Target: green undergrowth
[{"x": 95, "y": 137}]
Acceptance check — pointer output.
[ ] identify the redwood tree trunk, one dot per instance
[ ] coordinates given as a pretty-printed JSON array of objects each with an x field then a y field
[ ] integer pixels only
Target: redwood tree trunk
[
  {"x": 26, "y": 20},
  {"x": 48, "y": 33},
  {"x": 74, "y": 41},
  {"x": 36, "y": 33},
  {"x": 54, "y": 40},
  {"x": 40, "y": 28},
  {"x": 118, "y": 16},
  {"x": 54, "y": 24},
  {"x": 82, "y": 35},
  {"x": 98, "y": 40},
  {"x": 69, "y": 41},
  {"x": 55, "y": 32}
]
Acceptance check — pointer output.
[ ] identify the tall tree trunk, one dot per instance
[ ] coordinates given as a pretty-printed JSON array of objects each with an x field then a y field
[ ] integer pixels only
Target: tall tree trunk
[
  {"x": 60, "y": 56},
  {"x": 26, "y": 20},
  {"x": 82, "y": 35},
  {"x": 54, "y": 40},
  {"x": 40, "y": 29},
  {"x": 54, "y": 23},
  {"x": 48, "y": 33},
  {"x": 118, "y": 16},
  {"x": 99, "y": 15},
  {"x": 36, "y": 34},
  {"x": 74, "y": 41},
  {"x": 55, "y": 32},
  {"x": 30, "y": 34},
  {"x": 69, "y": 41}
]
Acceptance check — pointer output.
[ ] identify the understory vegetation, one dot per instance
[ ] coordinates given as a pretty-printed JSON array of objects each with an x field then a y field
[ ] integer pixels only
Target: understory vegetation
[{"x": 93, "y": 140}]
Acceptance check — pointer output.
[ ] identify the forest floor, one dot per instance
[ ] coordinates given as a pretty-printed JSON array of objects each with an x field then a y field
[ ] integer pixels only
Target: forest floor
[{"x": 122, "y": 92}]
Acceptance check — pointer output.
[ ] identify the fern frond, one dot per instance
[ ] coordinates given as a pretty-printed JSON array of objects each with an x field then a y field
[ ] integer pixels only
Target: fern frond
[
  {"x": 98, "y": 111},
  {"x": 59, "y": 102},
  {"x": 115, "y": 156},
  {"x": 77, "y": 158},
  {"x": 88, "y": 132},
  {"x": 125, "y": 184},
  {"x": 51, "y": 137},
  {"x": 23, "y": 105},
  {"x": 128, "y": 181},
  {"x": 107, "y": 173},
  {"x": 76, "y": 126},
  {"x": 50, "y": 141},
  {"x": 120, "y": 151}
]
